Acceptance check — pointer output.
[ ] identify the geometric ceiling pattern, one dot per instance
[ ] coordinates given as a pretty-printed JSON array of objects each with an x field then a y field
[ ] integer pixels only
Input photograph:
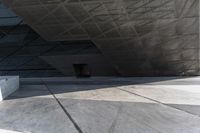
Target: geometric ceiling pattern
[
  {"x": 7, "y": 17},
  {"x": 86, "y": 19},
  {"x": 21, "y": 48},
  {"x": 139, "y": 37}
]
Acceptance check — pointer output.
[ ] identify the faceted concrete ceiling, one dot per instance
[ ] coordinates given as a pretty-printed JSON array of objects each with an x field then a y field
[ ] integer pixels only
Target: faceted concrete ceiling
[
  {"x": 146, "y": 37},
  {"x": 7, "y": 17},
  {"x": 21, "y": 48},
  {"x": 86, "y": 19}
]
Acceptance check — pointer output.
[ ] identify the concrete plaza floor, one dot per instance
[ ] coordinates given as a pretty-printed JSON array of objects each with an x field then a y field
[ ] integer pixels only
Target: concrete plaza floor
[{"x": 103, "y": 105}]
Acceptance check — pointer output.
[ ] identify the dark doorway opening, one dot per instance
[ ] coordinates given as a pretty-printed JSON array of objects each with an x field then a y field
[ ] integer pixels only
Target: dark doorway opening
[{"x": 82, "y": 70}]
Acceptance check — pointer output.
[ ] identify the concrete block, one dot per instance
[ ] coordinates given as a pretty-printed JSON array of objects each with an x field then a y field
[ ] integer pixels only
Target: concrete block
[
  {"x": 8, "y": 131},
  {"x": 8, "y": 85}
]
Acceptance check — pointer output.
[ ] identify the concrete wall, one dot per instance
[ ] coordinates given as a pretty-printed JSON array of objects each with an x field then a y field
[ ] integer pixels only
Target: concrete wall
[
  {"x": 97, "y": 64},
  {"x": 164, "y": 40}
]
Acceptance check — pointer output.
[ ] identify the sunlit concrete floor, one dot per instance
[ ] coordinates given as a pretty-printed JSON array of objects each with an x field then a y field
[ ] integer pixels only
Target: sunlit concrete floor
[{"x": 103, "y": 105}]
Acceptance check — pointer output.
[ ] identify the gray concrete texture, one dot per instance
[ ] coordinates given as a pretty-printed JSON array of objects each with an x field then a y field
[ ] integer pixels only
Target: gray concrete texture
[
  {"x": 148, "y": 37},
  {"x": 8, "y": 85},
  {"x": 98, "y": 66},
  {"x": 103, "y": 105}
]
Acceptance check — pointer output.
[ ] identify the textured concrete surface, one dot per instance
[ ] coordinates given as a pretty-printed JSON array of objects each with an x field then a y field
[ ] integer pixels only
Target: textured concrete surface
[
  {"x": 37, "y": 113},
  {"x": 138, "y": 37},
  {"x": 104, "y": 105},
  {"x": 8, "y": 85},
  {"x": 8, "y": 131},
  {"x": 98, "y": 65}
]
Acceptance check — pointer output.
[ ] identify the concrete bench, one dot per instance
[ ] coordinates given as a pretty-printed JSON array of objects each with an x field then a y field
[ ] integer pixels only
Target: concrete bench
[{"x": 8, "y": 85}]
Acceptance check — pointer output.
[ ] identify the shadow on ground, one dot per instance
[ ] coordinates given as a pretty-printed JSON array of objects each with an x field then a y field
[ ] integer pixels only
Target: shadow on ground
[{"x": 43, "y": 86}]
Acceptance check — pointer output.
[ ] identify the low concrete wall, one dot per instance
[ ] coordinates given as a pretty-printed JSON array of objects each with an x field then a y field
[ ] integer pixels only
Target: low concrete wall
[
  {"x": 8, "y": 85},
  {"x": 8, "y": 131}
]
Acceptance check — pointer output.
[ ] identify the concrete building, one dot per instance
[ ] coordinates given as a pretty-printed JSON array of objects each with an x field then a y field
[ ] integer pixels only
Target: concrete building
[
  {"x": 100, "y": 37},
  {"x": 46, "y": 43}
]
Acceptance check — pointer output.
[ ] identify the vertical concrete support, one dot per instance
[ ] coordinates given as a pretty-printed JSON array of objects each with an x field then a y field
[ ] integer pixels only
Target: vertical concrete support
[{"x": 8, "y": 85}]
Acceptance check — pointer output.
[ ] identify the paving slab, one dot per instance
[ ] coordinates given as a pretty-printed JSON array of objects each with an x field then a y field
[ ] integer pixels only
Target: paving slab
[
  {"x": 193, "y": 109},
  {"x": 129, "y": 117},
  {"x": 94, "y": 92},
  {"x": 165, "y": 94},
  {"x": 184, "y": 97},
  {"x": 25, "y": 113},
  {"x": 28, "y": 91},
  {"x": 105, "y": 105},
  {"x": 101, "y": 108},
  {"x": 33, "y": 87}
]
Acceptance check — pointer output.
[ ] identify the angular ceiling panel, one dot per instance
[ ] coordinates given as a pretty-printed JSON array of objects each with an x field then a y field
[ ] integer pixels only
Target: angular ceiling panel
[{"x": 135, "y": 35}]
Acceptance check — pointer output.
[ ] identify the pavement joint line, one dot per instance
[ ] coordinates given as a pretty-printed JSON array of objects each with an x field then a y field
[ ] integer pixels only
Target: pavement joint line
[
  {"x": 64, "y": 109},
  {"x": 159, "y": 102},
  {"x": 114, "y": 122}
]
